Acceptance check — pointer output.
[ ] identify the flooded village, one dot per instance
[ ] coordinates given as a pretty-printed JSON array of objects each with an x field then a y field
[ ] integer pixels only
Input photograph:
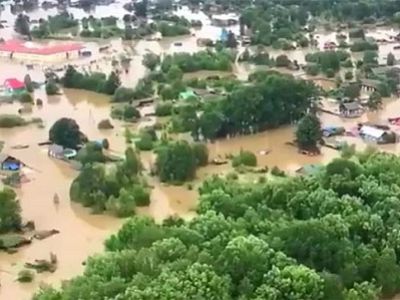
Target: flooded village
[{"x": 45, "y": 170}]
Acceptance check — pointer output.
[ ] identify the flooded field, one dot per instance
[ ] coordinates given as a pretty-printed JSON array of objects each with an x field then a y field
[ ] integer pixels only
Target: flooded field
[{"x": 82, "y": 233}]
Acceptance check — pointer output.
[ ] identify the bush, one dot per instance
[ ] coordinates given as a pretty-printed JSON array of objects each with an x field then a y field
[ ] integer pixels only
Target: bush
[
  {"x": 105, "y": 124},
  {"x": 25, "y": 98},
  {"x": 277, "y": 172},
  {"x": 348, "y": 75},
  {"x": 141, "y": 195},
  {"x": 312, "y": 70},
  {"x": 164, "y": 109},
  {"x": 201, "y": 153},
  {"x": 244, "y": 158},
  {"x": 145, "y": 143},
  {"x": 51, "y": 88},
  {"x": 9, "y": 121},
  {"x": 25, "y": 276},
  {"x": 330, "y": 73}
]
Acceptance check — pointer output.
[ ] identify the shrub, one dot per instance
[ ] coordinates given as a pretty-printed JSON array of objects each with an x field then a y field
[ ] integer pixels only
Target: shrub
[
  {"x": 105, "y": 124},
  {"x": 330, "y": 73},
  {"x": 141, "y": 195},
  {"x": 145, "y": 142},
  {"x": 164, "y": 109},
  {"x": 123, "y": 94},
  {"x": 277, "y": 172},
  {"x": 201, "y": 153},
  {"x": 245, "y": 158},
  {"x": 348, "y": 75},
  {"x": 9, "y": 121},
  {"x": 25, "y": 98},
  {"x": 25, "y": 276},
  {"x": 51, "y": 88}
]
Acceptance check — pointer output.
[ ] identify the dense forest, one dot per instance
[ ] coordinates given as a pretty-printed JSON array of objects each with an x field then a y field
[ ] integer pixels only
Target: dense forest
[{"x": 332, "y": 235}]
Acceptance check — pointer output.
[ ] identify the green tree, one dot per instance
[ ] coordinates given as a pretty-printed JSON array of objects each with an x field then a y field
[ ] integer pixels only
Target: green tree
[
  {"x": 21, "y": 25},
  {"x": 176, "y": 162},
  {"x": 374, "y": 101},
  {"x": 391, "y": 59},
  {"x": 10, "y": 218},
  {"x": 151, "y": 61},
  {"x": 66, "y": 132},
  {"x": 308, "y": 131},
  {"x": 387, "y": 272},
  {"x": 112, "y": 84},
  {"x": 51, "y": 88}
]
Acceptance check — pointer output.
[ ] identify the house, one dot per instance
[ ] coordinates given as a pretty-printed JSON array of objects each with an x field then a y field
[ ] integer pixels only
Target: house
[
  {"x": 223, "y": 37},
  {"x": 224, "y": 20},
  {"x": 188, "y": 94},
  {"x": 373, "y": 134},
  {"x": 59, "y": 152},
  {"x": 330, "y": 46},
  {"x": 370, "y": 85},
  {"x": 328, "y": 131},
  {"x": 9, "y": 163},
  {"x": 47, "y": 52},
  {"x": 56, "y": 151},
  {"x": 350, "y": 109},
  {"x": 13, "y": 87}
]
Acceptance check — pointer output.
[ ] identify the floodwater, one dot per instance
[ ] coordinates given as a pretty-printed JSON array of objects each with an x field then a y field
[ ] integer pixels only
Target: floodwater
[{"x": 81, "y": 233}]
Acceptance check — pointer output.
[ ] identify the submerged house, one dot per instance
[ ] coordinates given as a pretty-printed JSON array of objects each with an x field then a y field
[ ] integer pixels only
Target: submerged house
[
  {"x": 14, "y": 87},
  {"x": 59, "y": 152},
  {"x": 9, "y": 163},
  {"x": 350, "y": 109},
  {"x": 375, "y": 135}
]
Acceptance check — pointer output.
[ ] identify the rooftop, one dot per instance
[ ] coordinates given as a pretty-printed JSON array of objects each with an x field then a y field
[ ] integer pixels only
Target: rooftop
[
  {"x": 351, "y": 105},
  {"x": 32, "y": 48},
  {"x": 371, "y": 131},
  {"x": 14, "y": 83}
]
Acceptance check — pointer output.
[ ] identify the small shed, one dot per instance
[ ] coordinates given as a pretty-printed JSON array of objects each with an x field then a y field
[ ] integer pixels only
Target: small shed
[
  {"x": 350, "y": 109},
  {"x": 373, "y": 134},
  {"x": 9, "y": 163}
]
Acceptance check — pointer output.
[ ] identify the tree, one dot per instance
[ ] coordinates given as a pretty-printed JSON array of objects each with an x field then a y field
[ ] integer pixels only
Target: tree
[
  {"x": 210, "y": 124},
  {"x": 374, "y": 101},
  {"x": 387, "y": 272},
  {"x": 176, "y": 162},
  {"x": 282, "y": 61},
  {"x": 348, "y": 75},
  {"x": 51, "y": 88},
  {"x": 112, "y": 84},
  {"x": 370, "y": 57},
  {"x": 151, "y": 61},
  {"x": 21, "y": 25},
  {"x": 308, "y": 132},
  {"x": 28, "y": 83},
  {"x": 244, "y": 158},
  {"x": 391, "y": 59},
  {"x": 141, "y": 8},
  {"x": 66, "y": 132},
  {"x": 10, "y": 218},
  {"x": 201, "y": 154},
  {"x": 352, "y": 91},
  {"x": 231, "y": 41}
]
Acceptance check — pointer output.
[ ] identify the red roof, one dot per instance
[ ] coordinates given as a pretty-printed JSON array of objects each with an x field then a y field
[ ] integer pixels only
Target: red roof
[
  {"x": 22, "y": 47},
  {"x": 14, "y": 83}
]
